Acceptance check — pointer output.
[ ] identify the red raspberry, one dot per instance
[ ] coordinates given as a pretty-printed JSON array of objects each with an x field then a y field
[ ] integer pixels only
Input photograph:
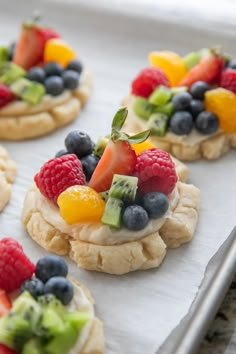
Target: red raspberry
[
  {"x": 228, "y": 80},
  {"x": 147, "y": 81},
  {"x": 6, "y": 95},
  {"x": 15, "y": 267},
  {"x": 57, "y": 174},
  {"x": 6, "y": 350},
  {"x": 155, "y": 171}
]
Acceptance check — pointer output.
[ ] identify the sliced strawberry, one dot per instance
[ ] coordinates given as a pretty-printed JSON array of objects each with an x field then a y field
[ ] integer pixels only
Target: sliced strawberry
[
  {"x": 5, "y": 303},
  {"x": 6, "y": 95},
  {"x": 6, "y": 350},
  {"x": 208, "y": 70},
  {"x": 118, "y": 157}
]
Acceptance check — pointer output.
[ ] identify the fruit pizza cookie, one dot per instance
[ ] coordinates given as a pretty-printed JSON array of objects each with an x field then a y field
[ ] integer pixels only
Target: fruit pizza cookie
[
  {"x": 7, "y": 176},
  {"x": 188, "y": 103},
  {"x": 115, "y": 208},
  {"x": 42, "y": 84},
  {"x": 42, "y": 310}
]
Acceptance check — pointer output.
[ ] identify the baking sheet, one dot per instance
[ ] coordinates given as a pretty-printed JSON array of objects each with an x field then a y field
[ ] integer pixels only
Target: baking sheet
[{"x": 139, "y": 310}]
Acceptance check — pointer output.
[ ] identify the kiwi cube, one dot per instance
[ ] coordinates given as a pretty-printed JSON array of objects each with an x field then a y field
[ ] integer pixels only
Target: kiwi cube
[
  {"x": 158, "y": 124},
  {"x": 142, "y": 108},
  {"x": 191, "y": 59},
  {"x": 123, "y": 187},
  {"x": 160, "y": 96},
  {"x": 113, "y": 212},
  {"x": 9, "y": 73},
  {"x": 177, "y": 90},
  {"x": 167, "y": 109},
  {"x": 4, "y": 54},
  {"x": 100, "y": 146},
  {"x": 34, "y": 93}
]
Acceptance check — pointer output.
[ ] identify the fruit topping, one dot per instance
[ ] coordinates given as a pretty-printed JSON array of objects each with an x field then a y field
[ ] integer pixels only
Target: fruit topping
[
  {"x": 156, "y": 204},
  {"x": 50, "y": 266},
  {"x": 147, "y": 81},
  {"x": 113, "y": 212},
  {"x": 196, "y": 107},
  {"x": 34, "y": 286},
  {"x": 158, "y": 123},
  {"x": 123, "y": 187},
  {"x": 181, "y": 101},
  {"x": 79, "y": 143},
  {"x": 145, "y": 145},
  {"x": 4, "y": 54},
  {"x": 80, "y": 204},
  {"x": 5, "y": 303},
  {"x": 155, "y": 171},
  {"x": 10, "y": 72},
  {"x": 207, "y": 123},
  {"x": 61, "y": 153},
  {"x": 198, "y": 89},
  {"x": 160, "y": 96},
  {"x": 36, "y": 74},
  {"x": 29, "y": 91},
  {"x": 53, "y": 69},
  {"x": 228, "y": 79},
  {"x": 232, "y": 64},
  {"x": 6, "y": 95},
  {"x": 192, "y": 59},
  {"x": 6, "y": 350},
  {"x": 57, "y": 174},
  {"x": 181, "y": 123},
  {"x": 15, "y": 266},
  {"x": 59, "y": 51},
  {"x": 70, "y": 79},
  {"x": 61, "y": 288},
  {"x": 54, "y": 85},
  {"x": 75, "y": 65},
  {"x": 143, "y": 108},
  {"x": 89, "y": 163},
  {"x": 135, "y": 217}
]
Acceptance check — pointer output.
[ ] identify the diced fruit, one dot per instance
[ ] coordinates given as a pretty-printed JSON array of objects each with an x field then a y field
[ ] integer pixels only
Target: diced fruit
[
  {"x": 222, "y": 102},
  {"x": 208, "y": 70},
  {"x": 6, "y": 350},
  {"x": 5, "y": 303},
  {"x": 70, "y": 79},
  {"x": 79, "y": 143},
  {"x": 100, "y": 146},
  {"x": 196, "y": 107},
  {"x": 181, "y": 101},
  {"x": 123, "y": 187},
  {"x": 80, "y": 204},
  {"x": 34, "y": 286},
  {"x": 192, "y": 59},
  {"x": 156, "y": 204},
  {"x": 4, "y": 54},
  {"x": 53, "y": 69},
  {"x": 198, "y": 89},
  {"x": 160, "y": 96},
  {"x": 181, "y": 123},
  {"x": 232, "y": 64},
  {"x": 155, "y": 171},
  {"x": 50, "y": 266},
  {"x": 59, "y": 51},
  {"x": 54, "y": 85},
  {"x": 29, "y": 91},
  {"x": 135, "y": 217},
  {"x": 15, "y": 266},
  {"x": 167, "y": 109},
  {"x": 6, "y": 96},
  {"x": 104, "y": 195},
  {"x": 207, "y": 123},
  {"x": 75, "y": 65},
  {"x": 228, "y": 80},
  {"x": 10, "y": 72},
  {"x": 113, "y": 212},
  {"x": 171, "y": 63},
  {"x": 58, "y": 174},
  {"x": 158, "y": 123},
  {"x": 36, "y": 74},
  {"x": 146, "y": 145},
  {"x": 33, "y": 346},
  {"x": 178, "y": 89},
  {"x": 147, "y": 81},
  {"x": 61, "y": 287},
  {"x": 142, "y": 108},
  {"x": 89, "y": 163}
]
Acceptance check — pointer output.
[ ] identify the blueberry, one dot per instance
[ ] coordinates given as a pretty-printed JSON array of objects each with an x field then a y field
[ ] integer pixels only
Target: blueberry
[
  {"x": 196, "y": 107},
  {"x": 181, "y": 123},
  {"x": 181, "y": 101},
  {"x": 61, "y": 153},
  {"x": 79, "y": 143},
  {"x": 53, "y": 69},
  {"x": 54, "y": 85},
  {"x": 11, "y": 50},
  {"x": 36, "y": 74},
  {"x": 232, "y": 64},
  {"x": 135, "y": 217},
  {"x": 75, "y": 65},
  {"x": 198, "y": 89},
  {"x": 156, "y": 204},
  {"x": 61, "y": 288},
  {"x": 51, "y": 266},
  {"x": 34, "y": 286},
  {"x": 71, "y": 79},
  {"x": 89, "y": 164},
  {"x": 207, "y": 123}
]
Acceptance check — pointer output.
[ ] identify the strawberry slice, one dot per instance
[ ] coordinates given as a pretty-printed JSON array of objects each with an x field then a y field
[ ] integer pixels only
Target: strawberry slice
[
  {"x": 208, "y": 70},
  {"x": 5, "y": 303},
  {"x": 118, "y": 157},
  {"x": 6, "y": 350},
  {"x": 30, "y": 45}
]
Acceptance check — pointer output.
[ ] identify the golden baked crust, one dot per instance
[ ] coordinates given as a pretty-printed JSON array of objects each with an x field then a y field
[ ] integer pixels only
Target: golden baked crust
[
  {"x": 7, "y": 176},
  {"x": 20, "y": 121}
]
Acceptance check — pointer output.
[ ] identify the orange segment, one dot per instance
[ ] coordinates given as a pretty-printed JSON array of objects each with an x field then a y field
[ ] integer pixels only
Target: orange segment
[
  {"x": 59, "y": 51},
  {"x": 139, "y": 148},
  {"x": 222, "y": 102},
  {"x": 171, "y": 63},
  {"x": 80, "y": 204}
]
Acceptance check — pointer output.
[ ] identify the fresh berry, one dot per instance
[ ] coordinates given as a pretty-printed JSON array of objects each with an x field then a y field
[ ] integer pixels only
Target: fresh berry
[
  {"x": 181, "y": 101},
  {"x": 207, "y": 123},
  {"x": 181, "y": 123},
  {"x": 61, "y": 288},
  {"x": 89, "y": 164},
  {"x": 5, "y": 303},
  {"x": 58, "y": 174},
  {"x": 155, "y": 171},
  {"x": 6, "y": 96},
  {"x": 50, "y": 266},
  {"x": 208, "y": 70},
  {"x": 15, "y": 266},
  {"x": 196, "y": 107},
  {"x": 71, "y": 79},
  {"x": 147, "y": 81},
  {"x": 75, "y": 65},
  {"x": 135, "y": 217},
  {"x": 156, "y": 204},
  {"x": 6, "y": 350},
  {"x": 198, "y": 89},
  {"x": 59, "y": 51},
  {"x": 222, "y": 102},
  {"x": 171, "y": 63},
  {"x": 81, "y": 204},
  {"x": 36, "y": 74},
  {"x": 61, "y": 153},
  {"x": 117, "y": 158},
  {"x": 34, "y": 286},
  {"x": 54, "y": 85},
  {"x": 228, "y": 80},
  {"x": 53, "y": 69},
  {"x": 232, "y": 64},
  {"x": 11, "y": 50},
  {"x": 79, "y": 143}
]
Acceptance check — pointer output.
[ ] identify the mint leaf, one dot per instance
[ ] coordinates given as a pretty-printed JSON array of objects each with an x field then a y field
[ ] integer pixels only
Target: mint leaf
[
  {"x": 139, "y": 138},
  {"x": 119, "y": 119}
]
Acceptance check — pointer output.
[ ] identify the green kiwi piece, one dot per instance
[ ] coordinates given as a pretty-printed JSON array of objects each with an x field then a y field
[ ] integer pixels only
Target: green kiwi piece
[
  {"x": 142, "y": 108},
  {"x": 31, "y": 92},
  {"x": 160, "y": 96},
  {"x": 176, "y": 90},
  {"x": 4, "y": 53},
  {"x": 112, "y": 213},
  {"x": 158, "y": 123},
  {"x": 10, "y": 72},
  {"x": 123, "y": 187},
  {"x": 104, "y": 195},
  {"x": 191, "y": 60},
  {"x": 33, "y": 346},
  {"x": 100, "y": 146},
  {"x": 167, "y": 109}
]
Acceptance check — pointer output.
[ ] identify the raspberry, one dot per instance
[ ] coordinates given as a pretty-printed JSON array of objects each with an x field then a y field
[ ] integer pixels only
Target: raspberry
[
  {"x": 6, "y": 95},
  {"x": 155, "y": 171},
  {"x": 147, "y": 81},
  {"x": 15, "y": 267},
  {"x": 57, "y": 174},
  {"x": 228, "y": 80}
]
